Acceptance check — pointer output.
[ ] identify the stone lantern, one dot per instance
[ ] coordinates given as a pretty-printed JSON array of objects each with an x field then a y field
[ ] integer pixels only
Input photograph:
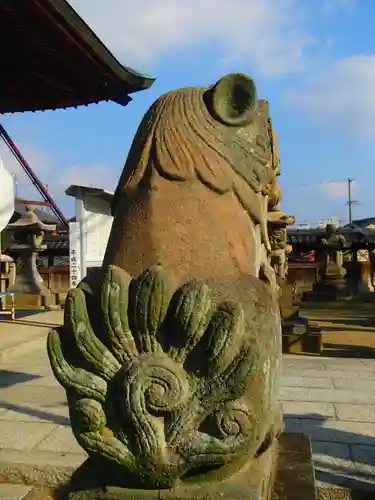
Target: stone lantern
[{"x": 28, "y": 234}]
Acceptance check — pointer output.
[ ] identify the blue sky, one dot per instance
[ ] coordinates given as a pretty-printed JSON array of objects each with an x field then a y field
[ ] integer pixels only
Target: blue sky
[{"x": 314, "y": 60}]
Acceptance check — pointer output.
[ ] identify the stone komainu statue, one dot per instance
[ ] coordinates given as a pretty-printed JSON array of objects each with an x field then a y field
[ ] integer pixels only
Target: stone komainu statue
[
  {"x": 198, "y": 164},
  {"x": 170, "y": 355},
  {"x": 279, "y": 257}
]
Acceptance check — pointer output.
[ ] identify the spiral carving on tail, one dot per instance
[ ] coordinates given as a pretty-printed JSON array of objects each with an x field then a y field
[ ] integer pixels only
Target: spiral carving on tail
[{"x": 163, "y": 381}]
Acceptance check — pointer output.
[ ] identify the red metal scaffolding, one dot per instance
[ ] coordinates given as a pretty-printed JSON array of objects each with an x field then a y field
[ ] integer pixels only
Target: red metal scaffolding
[{"x": 48, "y": 200}]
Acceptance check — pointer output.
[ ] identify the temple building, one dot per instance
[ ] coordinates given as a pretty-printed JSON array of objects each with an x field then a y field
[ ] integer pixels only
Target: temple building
[
  {"x": 52, "y": 59},
  {"x": 367, "y": 223}
]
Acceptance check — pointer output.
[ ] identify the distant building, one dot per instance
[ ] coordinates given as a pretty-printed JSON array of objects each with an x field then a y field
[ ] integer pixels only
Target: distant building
[
  {"x": 367, "y": 223},
  {"x": 317, "y": 224},
  {"x": 365, "y": 226},
  {"x": 20, "y": 208},
  {"x": 93, "y": 213}
]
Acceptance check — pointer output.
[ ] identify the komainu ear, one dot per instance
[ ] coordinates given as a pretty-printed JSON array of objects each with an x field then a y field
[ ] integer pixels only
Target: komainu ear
[{"x": 233, "y": 100}]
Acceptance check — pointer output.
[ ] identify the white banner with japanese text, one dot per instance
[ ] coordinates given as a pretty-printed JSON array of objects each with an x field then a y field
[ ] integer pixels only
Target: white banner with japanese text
[{"x": 74, "y": 254}]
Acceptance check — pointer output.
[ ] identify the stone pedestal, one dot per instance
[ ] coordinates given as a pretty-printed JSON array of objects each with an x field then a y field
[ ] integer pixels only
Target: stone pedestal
[
  {"x": 253, "y": 482},
  {"x": 299, "y": 336},
  {"x": 28, "y": 279},
  {"x": 26, "y": 301},
  {"x": 294, "y": 478},
  {"x": 332, "y": 287},
  {"x": 283, "y": 472},
  {"x": 333, "y": 284}
]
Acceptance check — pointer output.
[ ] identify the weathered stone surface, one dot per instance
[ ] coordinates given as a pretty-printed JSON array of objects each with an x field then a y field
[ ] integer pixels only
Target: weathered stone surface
[
  {"x": 297, "y": 327},
  {"x": 295, "y": 478},
  {"x": 170, "y": 382},
  {"x": 28, "y": 236},
  {"x": 333, "y": 284},
  {"x": 306, "y": 343},
  {"x": 252, "y": 480},
  {"x": 13, "y": 491},
  {"x": 299, "y": 336},
  {"x": 171, "y": 353},
  {"x": 194, "y": 192},
  {"x": 40, "y": 494}
]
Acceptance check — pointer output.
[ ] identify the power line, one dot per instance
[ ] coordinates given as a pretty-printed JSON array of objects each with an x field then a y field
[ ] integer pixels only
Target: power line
[
  {"x": 350, "y": 202},
  {"x": 321, "y": 183}
]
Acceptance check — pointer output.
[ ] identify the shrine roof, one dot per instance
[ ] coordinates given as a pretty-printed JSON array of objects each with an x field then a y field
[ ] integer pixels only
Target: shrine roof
[
  {"x": 363, "y": 223},
  {"x": 353, "y": 234},
  {"x": 52, "y": 59},
  {"x": 20, "y": 210}
]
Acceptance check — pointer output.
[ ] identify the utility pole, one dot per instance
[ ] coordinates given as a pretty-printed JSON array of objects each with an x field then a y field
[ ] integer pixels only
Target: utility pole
[{"x": 350, "y": 201}]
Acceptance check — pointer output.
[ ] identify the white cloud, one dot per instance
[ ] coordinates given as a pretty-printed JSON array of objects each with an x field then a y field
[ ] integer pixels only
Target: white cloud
[
  {"x": 337, "y": 189},
  {"x": 39, "y": 160},
  {"x": 100, "y": 176},
  {"x": 341, "y": 96},
  {"x": 270, "y": 35},
  {"x": 55, "y": 180}
]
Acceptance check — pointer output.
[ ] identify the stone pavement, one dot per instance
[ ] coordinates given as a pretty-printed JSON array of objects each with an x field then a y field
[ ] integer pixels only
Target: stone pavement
[
  {"x": 330, "y": 399},
  {"x": 29, "y": 329}
]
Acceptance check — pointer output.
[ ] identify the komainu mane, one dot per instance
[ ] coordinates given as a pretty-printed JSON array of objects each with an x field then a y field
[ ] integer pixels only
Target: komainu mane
[
  {"x": 170, "y": 355},
  {"x": 195, "y": 183}
]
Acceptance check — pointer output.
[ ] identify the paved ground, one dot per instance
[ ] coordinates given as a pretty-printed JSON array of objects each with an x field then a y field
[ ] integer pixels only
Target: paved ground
[
  {"x": 333, "y": 401},
  {"x": 347, "y": 331},
  {"x": 330, "y": 399},
  {"x": 27, "y": 332}
]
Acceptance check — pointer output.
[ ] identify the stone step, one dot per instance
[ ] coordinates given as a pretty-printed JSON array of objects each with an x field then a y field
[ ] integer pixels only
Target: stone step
[
  {"x": 36, "y": 302},
  {"x": 294, "y": 477},
  {"x": 306, "y": 343},
  {"x": 38, "y": 468},
  {"x": 315, "y": 296}
]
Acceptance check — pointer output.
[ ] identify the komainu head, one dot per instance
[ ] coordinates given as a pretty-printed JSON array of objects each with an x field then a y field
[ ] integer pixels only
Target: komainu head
[
  {"x": 197, "y": 180},
  {"x": 217, "y": 135}
]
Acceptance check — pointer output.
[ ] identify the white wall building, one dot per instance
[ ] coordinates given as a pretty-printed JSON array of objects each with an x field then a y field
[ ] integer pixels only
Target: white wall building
[{"x": 89, "y": 234}]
